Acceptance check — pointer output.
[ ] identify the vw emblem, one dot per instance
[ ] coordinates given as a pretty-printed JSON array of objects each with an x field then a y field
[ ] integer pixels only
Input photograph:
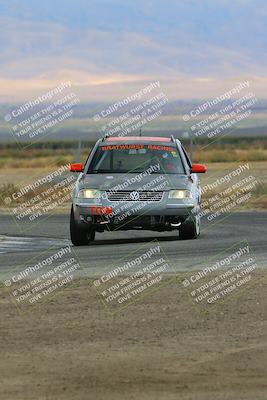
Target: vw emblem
[{"x": 134, "y": 196}]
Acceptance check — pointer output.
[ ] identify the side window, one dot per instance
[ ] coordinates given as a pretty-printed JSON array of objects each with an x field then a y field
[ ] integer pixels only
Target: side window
[{"x": 187, "y": 158}]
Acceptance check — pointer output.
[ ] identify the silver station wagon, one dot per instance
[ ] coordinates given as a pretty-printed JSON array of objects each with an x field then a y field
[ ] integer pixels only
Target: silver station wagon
[{"x": 136, "y": 182}]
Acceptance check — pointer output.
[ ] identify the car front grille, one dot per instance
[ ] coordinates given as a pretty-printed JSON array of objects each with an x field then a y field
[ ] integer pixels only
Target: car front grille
[{"x": 126, "y": 195}]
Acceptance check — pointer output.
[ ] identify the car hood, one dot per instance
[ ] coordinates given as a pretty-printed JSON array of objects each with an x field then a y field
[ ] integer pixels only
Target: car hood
[{"x": 130, "y": 181}]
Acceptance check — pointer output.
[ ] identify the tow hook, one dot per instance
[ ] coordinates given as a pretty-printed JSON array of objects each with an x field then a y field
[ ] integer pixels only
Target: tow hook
[{"x": 175, "y": 223}]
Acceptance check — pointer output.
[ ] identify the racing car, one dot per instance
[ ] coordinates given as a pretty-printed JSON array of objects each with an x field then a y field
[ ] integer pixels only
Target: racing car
[{"x": 136, "y": 183}]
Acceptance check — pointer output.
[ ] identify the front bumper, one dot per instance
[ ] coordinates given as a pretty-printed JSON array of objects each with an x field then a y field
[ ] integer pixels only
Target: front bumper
[{"x": 128, "y": 212}]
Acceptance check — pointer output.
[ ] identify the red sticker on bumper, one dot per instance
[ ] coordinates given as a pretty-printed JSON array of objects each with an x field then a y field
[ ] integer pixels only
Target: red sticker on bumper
[{"x": 96, "y": 210}]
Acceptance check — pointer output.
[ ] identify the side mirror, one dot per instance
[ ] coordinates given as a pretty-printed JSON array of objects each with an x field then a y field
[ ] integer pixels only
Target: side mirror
[
  {"x": 78, "y": 167},
  {"x": 198, "y": 168}
]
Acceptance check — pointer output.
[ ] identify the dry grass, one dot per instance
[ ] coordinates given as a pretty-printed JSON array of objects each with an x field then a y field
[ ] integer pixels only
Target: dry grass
[
  {"x": 43, "y": 158},
  {"x": 230, "y": 155},
  {"x": 21, "y": 167}
]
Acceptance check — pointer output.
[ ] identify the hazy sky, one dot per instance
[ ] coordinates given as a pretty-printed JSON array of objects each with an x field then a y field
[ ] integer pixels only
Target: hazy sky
[{"x": 110, "y": 48}]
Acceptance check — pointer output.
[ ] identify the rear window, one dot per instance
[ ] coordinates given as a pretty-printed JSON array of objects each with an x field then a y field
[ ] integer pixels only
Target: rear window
[{"x": 136, "y": 158}]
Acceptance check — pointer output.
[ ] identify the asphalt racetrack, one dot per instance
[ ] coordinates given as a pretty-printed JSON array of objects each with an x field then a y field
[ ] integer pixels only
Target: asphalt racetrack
[{"x": 17, "y": 247}]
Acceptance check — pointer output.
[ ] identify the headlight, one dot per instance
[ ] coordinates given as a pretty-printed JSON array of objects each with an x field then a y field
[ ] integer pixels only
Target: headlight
[
  {"x": 180, "y": 194},
  {"x": 89, "y": 194}
]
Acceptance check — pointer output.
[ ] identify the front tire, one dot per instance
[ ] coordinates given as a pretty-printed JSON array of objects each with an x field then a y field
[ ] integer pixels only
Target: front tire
[
  {"x": 190, "y": 229},
  {"x": 78, "y": 236}
]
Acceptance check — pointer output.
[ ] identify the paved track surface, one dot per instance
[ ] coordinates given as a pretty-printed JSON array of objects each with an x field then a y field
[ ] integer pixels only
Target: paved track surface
[{"x": 16, "y": 247}]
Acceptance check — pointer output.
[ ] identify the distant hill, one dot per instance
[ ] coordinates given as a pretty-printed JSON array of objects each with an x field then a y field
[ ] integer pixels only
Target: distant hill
[{"x": 208, "y": 37}]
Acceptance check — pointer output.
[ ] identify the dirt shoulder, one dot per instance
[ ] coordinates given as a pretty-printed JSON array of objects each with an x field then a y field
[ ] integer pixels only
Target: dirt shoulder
[{"x": 163, "y": 347}]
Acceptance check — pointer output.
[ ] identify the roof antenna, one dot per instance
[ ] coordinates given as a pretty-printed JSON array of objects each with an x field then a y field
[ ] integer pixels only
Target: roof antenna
[{"x": 140, "y": 134}]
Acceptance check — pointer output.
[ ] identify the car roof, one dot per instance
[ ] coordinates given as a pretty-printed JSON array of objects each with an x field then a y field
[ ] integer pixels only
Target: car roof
[{"x": 138, "y": 139}]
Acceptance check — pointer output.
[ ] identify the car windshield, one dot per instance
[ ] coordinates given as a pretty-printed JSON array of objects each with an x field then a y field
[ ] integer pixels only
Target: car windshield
[{"x": 136, "y": 158}]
